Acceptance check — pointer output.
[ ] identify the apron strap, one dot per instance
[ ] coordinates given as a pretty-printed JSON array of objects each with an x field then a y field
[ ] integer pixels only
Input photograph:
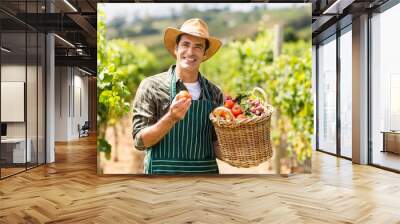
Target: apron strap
[
  {"x": 173, "y": 86},
  {"x": 204, "y": 88}
]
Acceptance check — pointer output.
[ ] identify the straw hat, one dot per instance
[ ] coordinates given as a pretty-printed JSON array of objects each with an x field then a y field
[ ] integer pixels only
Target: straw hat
[{"x": 194, "y": 27}]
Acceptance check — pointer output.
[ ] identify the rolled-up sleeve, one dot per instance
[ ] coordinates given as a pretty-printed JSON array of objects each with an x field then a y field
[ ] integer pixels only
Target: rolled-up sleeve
[{"x": 144, "y": 112}]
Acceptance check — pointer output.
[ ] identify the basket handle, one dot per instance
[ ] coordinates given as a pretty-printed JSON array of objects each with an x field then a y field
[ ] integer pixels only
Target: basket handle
[
  {"x": 226, "y": 110},
  {"x": 258, "y": 89}
]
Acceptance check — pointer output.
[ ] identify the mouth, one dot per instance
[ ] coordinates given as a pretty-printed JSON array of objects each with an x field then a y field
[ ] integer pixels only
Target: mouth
[{"x": 189, "y": 60}]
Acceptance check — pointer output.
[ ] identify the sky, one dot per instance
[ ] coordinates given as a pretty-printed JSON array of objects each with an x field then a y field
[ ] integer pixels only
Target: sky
[{"x": 128, "y": 10}]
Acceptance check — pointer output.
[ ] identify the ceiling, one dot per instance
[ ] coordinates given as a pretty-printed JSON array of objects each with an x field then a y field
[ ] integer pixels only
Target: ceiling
[
  {"x": 75, "y": 21},
  {"x": 330, "y": 15}
]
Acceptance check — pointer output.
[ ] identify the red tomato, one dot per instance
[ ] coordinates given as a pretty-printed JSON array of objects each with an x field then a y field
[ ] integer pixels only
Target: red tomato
[
  {"x": 236, "y": 110},
  {"x": 229, "y": 104}
]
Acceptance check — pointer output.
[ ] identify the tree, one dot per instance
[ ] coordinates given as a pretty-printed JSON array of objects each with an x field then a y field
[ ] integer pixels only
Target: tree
[{"x": 121, "y": 66}]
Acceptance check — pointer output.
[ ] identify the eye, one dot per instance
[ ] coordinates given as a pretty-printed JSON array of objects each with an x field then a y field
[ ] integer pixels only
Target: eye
[
  {"x": 185, "y": 44},
  {"x": 199, "y": 47}
]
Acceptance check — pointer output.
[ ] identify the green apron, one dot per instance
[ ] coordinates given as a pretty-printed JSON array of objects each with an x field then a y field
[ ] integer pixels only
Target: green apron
[{"x": 188, "y": 147}]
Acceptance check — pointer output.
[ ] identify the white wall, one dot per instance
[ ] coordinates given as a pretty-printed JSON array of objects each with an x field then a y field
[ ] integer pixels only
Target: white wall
[
  {"x": 14, "y": 73},
  {"x": 80, "y": 94},
  {"x": 34, "y": 124},
  {"x": 61, "y": 103},
  {"x": 70, "y": 83}
]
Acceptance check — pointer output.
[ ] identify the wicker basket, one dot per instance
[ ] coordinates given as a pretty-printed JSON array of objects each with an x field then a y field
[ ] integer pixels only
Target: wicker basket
[{"x": 245, "y": 143}]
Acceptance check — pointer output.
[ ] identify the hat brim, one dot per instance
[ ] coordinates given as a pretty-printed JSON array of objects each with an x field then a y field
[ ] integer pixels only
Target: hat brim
[{"x": 171, "y": 34}]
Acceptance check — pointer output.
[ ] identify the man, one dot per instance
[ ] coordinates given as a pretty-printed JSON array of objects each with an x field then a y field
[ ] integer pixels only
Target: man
[{"x": 176, "y": 133}]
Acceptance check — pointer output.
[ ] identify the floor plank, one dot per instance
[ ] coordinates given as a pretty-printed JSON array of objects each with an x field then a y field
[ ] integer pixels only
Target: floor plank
[{"x": 70, "y": 191}]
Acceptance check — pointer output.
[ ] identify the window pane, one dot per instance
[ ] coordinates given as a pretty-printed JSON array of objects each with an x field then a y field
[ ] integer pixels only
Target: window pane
[
  {"x": 41, "y": 98},
  {"x": 14, "y": 153},
  {"x": 31, "y": 97},
  {"x": 345, "y": 94},
  {"x": 386, "y": 88},
  {"x": 327, "y": 96}
]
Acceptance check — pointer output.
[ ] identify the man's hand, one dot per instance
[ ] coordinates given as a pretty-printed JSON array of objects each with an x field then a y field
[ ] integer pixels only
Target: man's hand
[
  {"x": 178, "y": 108},
  {"x": 153, "y": 134}
]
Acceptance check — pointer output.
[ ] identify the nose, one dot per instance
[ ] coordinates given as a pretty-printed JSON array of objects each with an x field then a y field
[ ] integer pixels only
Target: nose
[{"x": 190, "y": 50}]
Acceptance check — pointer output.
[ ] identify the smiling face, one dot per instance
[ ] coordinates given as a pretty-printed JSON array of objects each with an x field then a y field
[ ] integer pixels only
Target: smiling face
[{"x": 190, "y": 52}]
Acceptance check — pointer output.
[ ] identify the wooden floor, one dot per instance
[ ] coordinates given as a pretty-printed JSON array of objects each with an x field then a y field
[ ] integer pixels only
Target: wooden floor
[
  {"x": 10, "y": 171},
  {"x": 70, "y": 191}
]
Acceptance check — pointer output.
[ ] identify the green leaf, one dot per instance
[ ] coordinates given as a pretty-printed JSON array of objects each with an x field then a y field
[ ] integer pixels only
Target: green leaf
[{"x": 104, "y": 146}]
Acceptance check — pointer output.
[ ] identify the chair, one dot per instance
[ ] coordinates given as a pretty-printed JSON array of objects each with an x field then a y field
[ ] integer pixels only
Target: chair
[{"x": 84, "y": 130}]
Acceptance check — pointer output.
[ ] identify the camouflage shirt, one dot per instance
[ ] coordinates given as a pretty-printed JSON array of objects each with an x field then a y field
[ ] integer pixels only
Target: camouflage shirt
[{"x": 152, "y": 101}]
